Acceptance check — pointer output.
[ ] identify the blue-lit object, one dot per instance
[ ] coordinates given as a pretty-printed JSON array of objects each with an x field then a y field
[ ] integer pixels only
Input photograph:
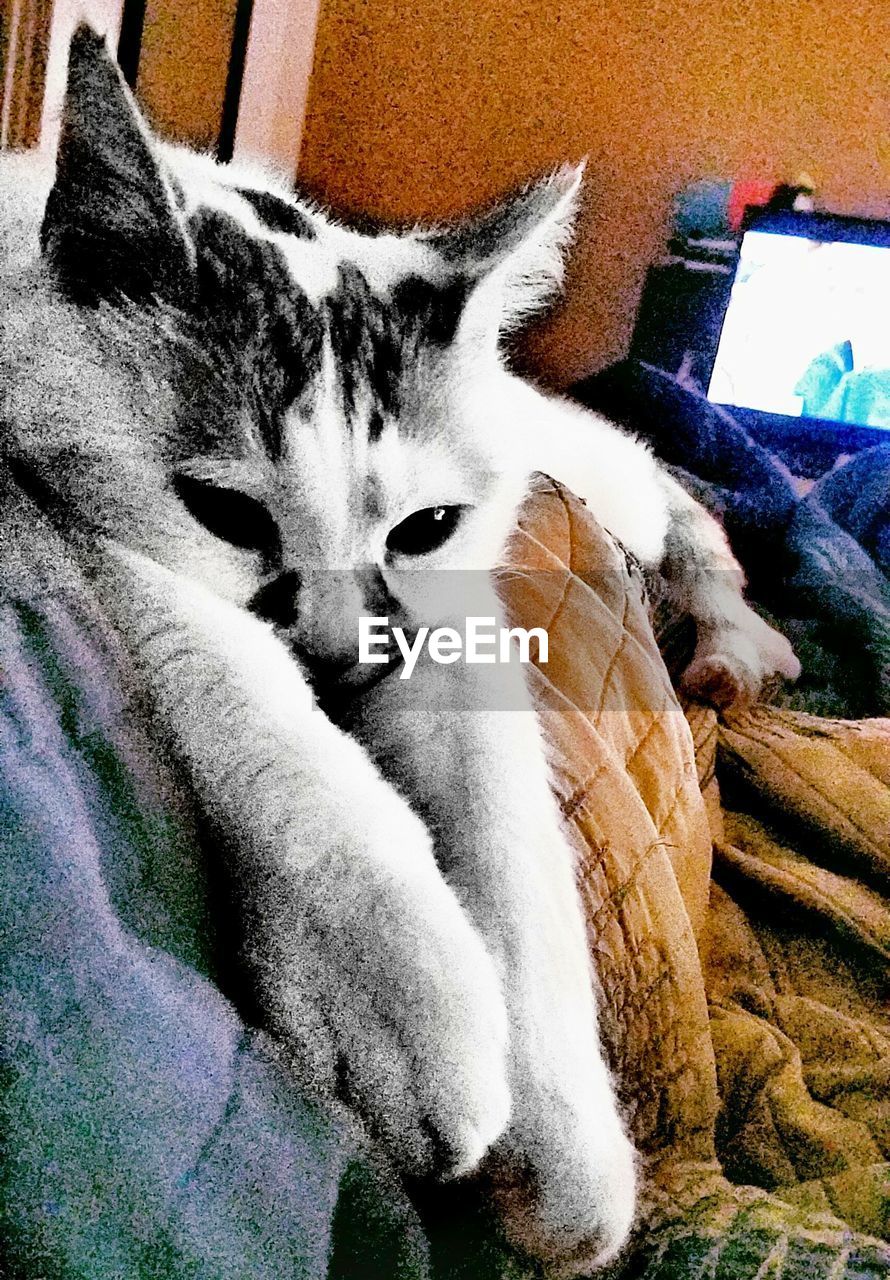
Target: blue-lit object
[{"x": 701, "y": 211}]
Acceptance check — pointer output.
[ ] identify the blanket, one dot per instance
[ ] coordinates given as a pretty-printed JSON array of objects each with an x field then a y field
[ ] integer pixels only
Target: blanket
[
  {"x": 746, "y": 996},
  {"x": 150, "y": 1130},
  {"x": 817, "y": 555}
]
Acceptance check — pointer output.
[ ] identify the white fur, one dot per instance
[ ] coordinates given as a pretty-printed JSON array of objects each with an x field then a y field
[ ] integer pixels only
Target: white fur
[
  {"x": 455, "y": 991},
  {"x": 425, "y": 1034}
]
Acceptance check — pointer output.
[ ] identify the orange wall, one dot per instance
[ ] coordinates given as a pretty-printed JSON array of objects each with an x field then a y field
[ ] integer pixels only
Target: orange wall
[
  {"x": 423, "y": 110},
  {"x": 183, "y": 65}
]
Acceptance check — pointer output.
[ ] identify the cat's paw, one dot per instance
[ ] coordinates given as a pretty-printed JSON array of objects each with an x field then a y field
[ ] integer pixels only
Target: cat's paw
[
  {"x": 427, "y": 1067},
  {"x": 733, "y": 664},
  {"x": 564, "y": 1173},
  {"x": 392, "y": 1003},
  {"x": 570, "y": 1199}
]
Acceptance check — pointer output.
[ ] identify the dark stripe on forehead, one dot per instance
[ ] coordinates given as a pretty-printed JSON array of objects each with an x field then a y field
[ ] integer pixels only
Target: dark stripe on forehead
[
  {"x": 434, "y": 310},
  {"x": 256, "y": 320},
  {"x": 278, "y": 215},
  {"x": 363, "y": 340},
  {"x": 376, "y": 423},
  {"x": 376, "y": 341}
]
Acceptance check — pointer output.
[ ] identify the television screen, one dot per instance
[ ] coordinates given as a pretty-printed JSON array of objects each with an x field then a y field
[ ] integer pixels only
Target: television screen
[{"x": 807, "y": 329}]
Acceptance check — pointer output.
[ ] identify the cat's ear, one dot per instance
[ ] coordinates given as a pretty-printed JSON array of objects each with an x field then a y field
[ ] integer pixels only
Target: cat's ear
[
  {"x": 111, "y": 225},
  {"x": 514, "y": 253}
]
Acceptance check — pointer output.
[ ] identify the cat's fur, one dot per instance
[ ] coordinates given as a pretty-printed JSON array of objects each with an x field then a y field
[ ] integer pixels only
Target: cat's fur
[{"x": 228, "y": 402}]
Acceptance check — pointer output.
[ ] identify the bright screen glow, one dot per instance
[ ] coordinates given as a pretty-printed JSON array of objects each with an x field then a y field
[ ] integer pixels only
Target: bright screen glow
[{"x": 807, "y": 331}]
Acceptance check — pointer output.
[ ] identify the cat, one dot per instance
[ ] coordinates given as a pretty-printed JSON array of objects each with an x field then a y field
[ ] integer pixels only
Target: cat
[{"x": 252, "y": 425}]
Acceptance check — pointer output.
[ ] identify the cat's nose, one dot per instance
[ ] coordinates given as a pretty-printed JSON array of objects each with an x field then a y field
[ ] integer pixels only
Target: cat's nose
[
  {"x": 320, "y": 611},
  {"x": 325, "y": 626}
]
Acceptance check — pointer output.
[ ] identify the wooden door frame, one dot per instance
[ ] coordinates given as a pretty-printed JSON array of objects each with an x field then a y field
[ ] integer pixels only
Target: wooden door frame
[
  {"x": 24, "y": 50},
  {"x": 267, "y": 87},
  {"x": 274, "y": 90}
]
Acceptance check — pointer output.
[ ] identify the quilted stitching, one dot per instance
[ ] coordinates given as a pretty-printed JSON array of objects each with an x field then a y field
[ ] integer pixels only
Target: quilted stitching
[{"x": 629, "y": 770}]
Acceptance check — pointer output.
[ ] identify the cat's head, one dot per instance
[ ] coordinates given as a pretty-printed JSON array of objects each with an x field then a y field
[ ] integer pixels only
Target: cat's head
[{"x": 339, "y": 414}]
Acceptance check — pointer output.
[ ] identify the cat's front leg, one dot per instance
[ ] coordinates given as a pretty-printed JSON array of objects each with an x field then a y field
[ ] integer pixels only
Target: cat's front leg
[
  {"x": 563, "y": 1174},
  {"x": 736, "y": 651},
  {"x": 366, "y": 967},
  {"x": 638, "y": 501}
]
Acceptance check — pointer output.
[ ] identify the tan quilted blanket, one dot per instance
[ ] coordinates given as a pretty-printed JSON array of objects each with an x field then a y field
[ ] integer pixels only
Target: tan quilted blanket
[{"x": 742, "y": 944}]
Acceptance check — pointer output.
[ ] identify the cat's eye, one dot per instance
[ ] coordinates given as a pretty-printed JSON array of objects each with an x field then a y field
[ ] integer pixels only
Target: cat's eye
[
  {"x": 424, "y": 531},
  {"x": 231, "y": 515}
]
